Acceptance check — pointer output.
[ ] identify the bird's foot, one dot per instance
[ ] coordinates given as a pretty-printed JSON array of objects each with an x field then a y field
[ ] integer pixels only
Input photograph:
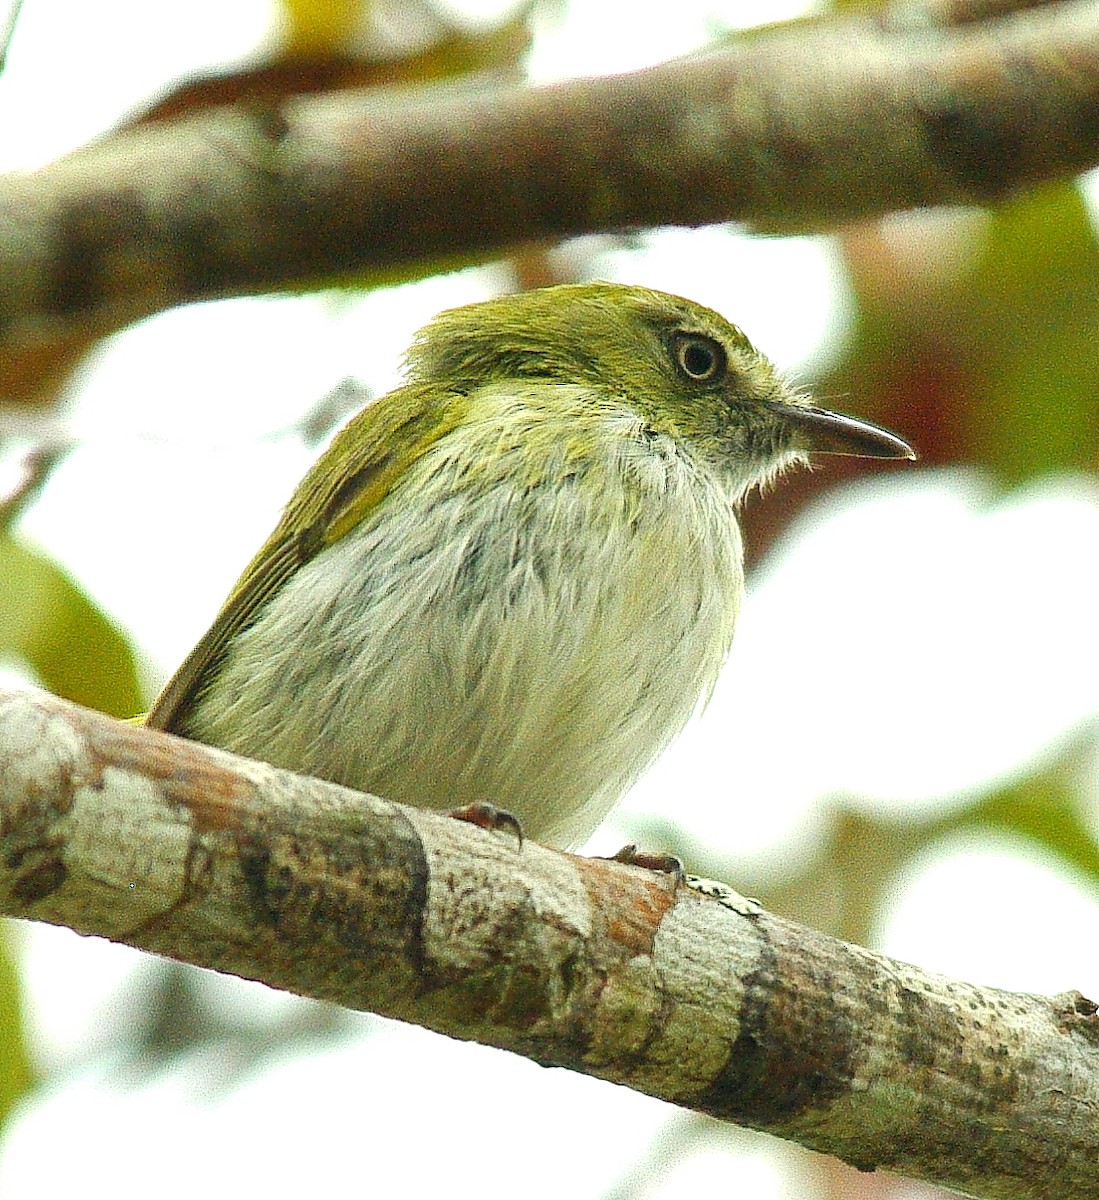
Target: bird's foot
[
  {"x": 666, "y": 864},
  {"x": 669, "y": 864},
  {"x": 488, "y": 816}
]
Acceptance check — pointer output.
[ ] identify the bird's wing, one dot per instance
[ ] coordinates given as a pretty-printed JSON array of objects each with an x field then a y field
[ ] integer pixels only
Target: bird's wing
[{"x": 355, "y": 473}]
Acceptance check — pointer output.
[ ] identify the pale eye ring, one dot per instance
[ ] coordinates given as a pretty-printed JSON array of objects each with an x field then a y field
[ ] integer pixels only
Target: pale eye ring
[{"x": 701, "y": 359}]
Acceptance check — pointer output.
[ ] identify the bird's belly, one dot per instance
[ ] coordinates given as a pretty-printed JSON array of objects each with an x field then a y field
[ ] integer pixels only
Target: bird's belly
[{"x": 534, "y": 651}]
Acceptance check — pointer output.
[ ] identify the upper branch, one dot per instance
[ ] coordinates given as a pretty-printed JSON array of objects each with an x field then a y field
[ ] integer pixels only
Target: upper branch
[
  {"x": 797, "y": 127},
  {"x": 606, "y": 969}
]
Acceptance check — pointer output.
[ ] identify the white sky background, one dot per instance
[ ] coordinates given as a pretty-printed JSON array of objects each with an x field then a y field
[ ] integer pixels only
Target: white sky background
[{"x": 178, "y": 458}]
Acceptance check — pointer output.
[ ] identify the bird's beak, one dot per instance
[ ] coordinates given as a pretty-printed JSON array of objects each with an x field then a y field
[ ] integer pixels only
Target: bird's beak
[{"x": 817, "y": 429}]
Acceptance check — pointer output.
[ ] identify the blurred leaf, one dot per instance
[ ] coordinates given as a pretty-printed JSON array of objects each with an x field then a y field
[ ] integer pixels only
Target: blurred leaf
[
  {"x": 321, "y": 26},
  {"x": 1032, "y": 312},
  {"x": 842, "y": 887},
  {"x": 975, "y": 334},
  {"x": 840, "y": 880},
  {"x": 46, "y": 620},
  {"x": 16, "y": 1075},
  {"x": 300, "y": 70},
  {"x": 976, "y": 331},
  {"x": 1047, "y": 812},
  {"x": 431, "y": 44}
]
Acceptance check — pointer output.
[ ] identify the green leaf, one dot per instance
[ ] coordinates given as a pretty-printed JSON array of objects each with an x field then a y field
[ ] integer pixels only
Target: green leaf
[
  {"x": 50, "y": 623},
  {"x": 1035, "y": 323},
  {"x": 16, "y": 1074}
]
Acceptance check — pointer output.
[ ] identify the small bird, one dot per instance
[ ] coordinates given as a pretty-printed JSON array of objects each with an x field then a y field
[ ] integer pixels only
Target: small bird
[{"x": 511, "y": 581}]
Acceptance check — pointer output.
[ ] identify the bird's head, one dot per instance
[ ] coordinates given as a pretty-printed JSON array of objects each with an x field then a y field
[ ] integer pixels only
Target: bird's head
[{"x": 684, "y": 370}]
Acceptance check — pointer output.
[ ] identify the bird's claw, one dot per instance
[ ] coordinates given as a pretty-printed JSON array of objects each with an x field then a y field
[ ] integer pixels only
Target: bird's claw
[
  {"x": 488, "y": 816},
  {"x": 669, "y": 864},
  {"x": 666, "y": 864}
]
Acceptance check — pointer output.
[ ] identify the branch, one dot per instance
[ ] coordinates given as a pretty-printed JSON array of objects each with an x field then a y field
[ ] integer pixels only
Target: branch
[
  {"x": 798, "y": 127},
  {"x": 602, "y": 968}
]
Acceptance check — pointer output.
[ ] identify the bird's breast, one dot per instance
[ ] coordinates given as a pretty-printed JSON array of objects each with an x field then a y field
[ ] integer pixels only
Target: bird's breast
[{"x": 531, "y": 635}]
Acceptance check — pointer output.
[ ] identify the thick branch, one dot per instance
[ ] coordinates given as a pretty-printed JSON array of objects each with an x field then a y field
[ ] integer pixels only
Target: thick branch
[
  {"x": 587, "y": 964},
  {"x": 796, "y": 128}
]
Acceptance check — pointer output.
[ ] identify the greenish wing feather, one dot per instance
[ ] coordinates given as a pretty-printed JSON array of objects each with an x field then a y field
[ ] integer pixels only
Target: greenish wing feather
[{"x": 364, "y": 461}]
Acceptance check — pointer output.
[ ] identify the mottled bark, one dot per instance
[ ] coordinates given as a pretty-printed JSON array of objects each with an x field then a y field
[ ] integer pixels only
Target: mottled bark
[{"x": 595, "y": 966}]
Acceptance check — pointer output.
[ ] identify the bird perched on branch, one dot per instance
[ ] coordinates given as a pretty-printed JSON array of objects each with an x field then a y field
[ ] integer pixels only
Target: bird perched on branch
[{"x": 511, "y": 581}]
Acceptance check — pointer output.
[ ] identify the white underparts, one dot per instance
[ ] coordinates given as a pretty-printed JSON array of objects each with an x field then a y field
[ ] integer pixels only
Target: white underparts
[{"x": 530, "y": 634}]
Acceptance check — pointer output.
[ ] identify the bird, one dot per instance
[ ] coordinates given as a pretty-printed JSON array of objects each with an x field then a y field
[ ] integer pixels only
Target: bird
[{"x": 508, "y": 583}]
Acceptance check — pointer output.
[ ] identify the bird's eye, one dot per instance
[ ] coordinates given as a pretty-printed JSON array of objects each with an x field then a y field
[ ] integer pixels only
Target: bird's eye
[{"x": 700, "y": 358}]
